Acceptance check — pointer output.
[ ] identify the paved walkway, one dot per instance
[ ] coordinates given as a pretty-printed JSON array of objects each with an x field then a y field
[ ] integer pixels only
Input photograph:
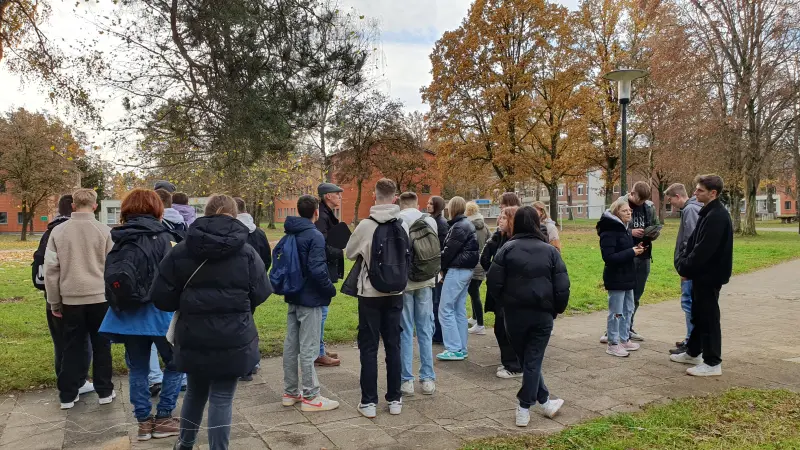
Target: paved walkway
[{"x": 761, "y": 349}]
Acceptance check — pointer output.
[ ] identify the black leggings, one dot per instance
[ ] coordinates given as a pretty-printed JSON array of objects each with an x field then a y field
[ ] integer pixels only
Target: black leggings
[{"x": 474, "y": 291}]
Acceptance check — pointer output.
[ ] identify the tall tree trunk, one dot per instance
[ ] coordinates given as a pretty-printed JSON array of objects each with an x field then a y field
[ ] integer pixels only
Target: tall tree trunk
[
  {"x": 538, "y": 195},
  {"x": 770, "y": 199},
  {"x": 359, "y": 185},
  {"x": 751, "y": 189},
  {"x": 553, "y": 190},
  {"x": 609, "y": 188},
  {"x": 736, "y": 211},
  {"x": 570, "y": 216},
  {"x": 662, "y": 208},
  {"x": 24, "y": 235},
  {"x": 271, "y": 213}
]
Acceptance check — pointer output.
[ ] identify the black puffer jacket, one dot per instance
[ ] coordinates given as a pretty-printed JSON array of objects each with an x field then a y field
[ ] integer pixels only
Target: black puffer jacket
[
  {"x": 335, "y": 256},
  {"x": 708, "y": 256},
  {"x": 491, "y": 248},
  {"x": 215, "y": 335},
  {"x": 460, "y": 250},
  {"x": 616, "y": 245},
  {"x": 442, "y": 227},
  {"x": 527, "y": 273}
]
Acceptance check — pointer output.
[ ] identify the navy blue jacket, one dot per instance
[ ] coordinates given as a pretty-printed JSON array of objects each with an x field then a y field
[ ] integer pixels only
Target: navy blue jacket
[
  {"x": 616, "y": 245},
  {"x": 215, "y": 335},
  {"x": 318, "y": 289},
  {"x": 460, "y": 249}
]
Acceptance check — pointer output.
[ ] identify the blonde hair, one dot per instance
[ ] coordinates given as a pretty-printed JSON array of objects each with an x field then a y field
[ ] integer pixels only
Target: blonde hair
[
  {"x": 540, "y": 206},
  {"x": 472, "y": 209},
  {"x": 456, "y": 207},
  {"x": 221, "y": 204},
  {"x": 84, "y": 198},
  {"x": 617, "y": 205}
]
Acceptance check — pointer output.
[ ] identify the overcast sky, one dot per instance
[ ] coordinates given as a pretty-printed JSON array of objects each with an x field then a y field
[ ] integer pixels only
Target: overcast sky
[{"x": 409, "y": 29}]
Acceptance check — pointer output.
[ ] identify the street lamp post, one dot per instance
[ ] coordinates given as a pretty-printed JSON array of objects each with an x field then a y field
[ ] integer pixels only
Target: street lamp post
[{"x": 624, "y": 77}]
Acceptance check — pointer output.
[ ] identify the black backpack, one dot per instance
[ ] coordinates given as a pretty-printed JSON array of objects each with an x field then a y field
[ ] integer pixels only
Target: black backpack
[
  {"x": 129, "y": 272},
  {"x": 37, "y": 267},
  {"x": 178, "y": 230},
  {"x": 390, "y": 259}
]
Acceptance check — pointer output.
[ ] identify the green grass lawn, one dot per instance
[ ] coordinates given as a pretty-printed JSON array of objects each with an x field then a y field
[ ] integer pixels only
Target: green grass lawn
[
  {"x": 26, "y": 351},
  {"x": 738, "y": 419}
]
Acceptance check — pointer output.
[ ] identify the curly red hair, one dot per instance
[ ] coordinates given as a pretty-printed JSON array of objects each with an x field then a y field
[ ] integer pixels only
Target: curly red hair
[{"x": 141, "y": 202}]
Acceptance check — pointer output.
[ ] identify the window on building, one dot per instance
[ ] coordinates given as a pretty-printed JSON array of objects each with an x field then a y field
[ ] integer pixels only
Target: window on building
[
  {"x": 560, "y": 191},
  {"x": 544, "y": 192},
  {"x": 112, "y": 215},
  {"x": 3, "y": 218},
  {"x": 2, "y": 187},
  {"x": 580, "y": 209},
  {"x": 668, "y": 207},
  {"x": 580, "y": 189},
  {"x": 337, "y": 213},
  {"x": 20, "y": 218},
  {"x": 426, "y": 188},
  {"x": 788, "y": 190},
  {"x": 616, "y": 189},
  {"x": 787, "y": 205}
]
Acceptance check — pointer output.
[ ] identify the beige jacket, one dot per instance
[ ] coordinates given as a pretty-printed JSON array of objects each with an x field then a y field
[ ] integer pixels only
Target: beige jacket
[
  {"x": 360, "y": 243},
  {"x": 75, "y": 260}
]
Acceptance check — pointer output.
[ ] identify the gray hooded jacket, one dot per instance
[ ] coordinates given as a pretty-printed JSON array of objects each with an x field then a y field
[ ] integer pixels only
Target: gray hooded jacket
[{"x": 689, "y": 217}]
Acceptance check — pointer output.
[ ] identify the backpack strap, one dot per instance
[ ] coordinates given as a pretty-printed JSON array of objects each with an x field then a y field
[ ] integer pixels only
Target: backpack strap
[{"x": 194, "y": 273}]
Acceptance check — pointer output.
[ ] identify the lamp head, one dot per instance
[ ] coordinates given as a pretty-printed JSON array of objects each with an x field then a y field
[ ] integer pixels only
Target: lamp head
[{"x": 624, "y": 77}]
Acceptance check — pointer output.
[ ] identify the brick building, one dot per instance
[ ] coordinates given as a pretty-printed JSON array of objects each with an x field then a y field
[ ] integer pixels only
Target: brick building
[
  {"x": 11, "y": 213},
  {"x": 428, "y": 184}
]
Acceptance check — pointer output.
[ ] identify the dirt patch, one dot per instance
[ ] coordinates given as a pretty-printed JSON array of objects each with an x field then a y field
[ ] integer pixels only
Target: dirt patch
[{"x": 11, "y": 300}]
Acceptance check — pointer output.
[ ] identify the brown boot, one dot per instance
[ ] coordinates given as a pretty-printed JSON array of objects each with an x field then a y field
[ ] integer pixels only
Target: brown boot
[
  {"x": 327, "y": 361},
  {"x": 166, "y": 427},
  {"x": 333, "y": 355},
  {"x": 145, "y": 430}
]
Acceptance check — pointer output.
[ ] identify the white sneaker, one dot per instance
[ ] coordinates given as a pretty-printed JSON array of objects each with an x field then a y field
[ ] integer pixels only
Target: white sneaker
[
  {"x": 499, "y": 368},
  {"x": 507, "y": 374},
  {"x": 550, "y": 408},
  {"x": 472, "y": 321},
  {"x": 604, "y": 339},
  {"x": 367, "y": 410},
  {"x": 477, "y": 329},
  {"x": 407, "y": 388},
  {"x": 636, "y": 336},
  {"x": 704, "y": 370},
  {"x": 395, "y": 407},
  {"x": 523, "y": 416},
  {"x": 86, "y": 388},
  {"x": 617, "y": 350},
  {"x": 684, "y": 358},
  {"x": 428, "y": 387},
  {"x": 71, "y": 404},
  {"x": 109, "y": 399},
  {"x": 318, "y": 403}
]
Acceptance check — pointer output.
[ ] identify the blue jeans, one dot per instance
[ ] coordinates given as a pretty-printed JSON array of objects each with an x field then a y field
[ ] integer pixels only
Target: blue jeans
[
  {"x": 453, "y": 309},
  {"x": 322, "y": 331},
  {"x": 219, "y": 395},
  {"x": 686, "y": 305},
  {"x": 156, "y": 375},
  {"x": 620, "y": 311},
  {"x": 417, "y": 313},
  {"x": 137, "y": 351}
]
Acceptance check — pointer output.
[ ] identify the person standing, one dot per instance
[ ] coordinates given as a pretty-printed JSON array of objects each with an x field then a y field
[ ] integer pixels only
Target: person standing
[
  {"x": 214, "y": 281},
  {"x": 172, "y": 218},
  {"x": 435, "y": 208},
  {"x": 619, "y": 277},
  {"x": 304, "y": 315},
  {"x": 73, "y": 275},
  {"x": 379, "y": 312},
  {"x": 55, "y": 324},
  {"x": 529, "y": 280},
  {"x": 510, "y": 366},
  {"x": 707, "y": 260},
  {"x": 549, "y": 225},
  {"x": 643, "y": 216},
  {"x": 459, "y": 258},
  {"x": 690, "y": 208},
  {"x": 180, "y": 202},
  {"x": 330, "y": 198},
  {"x": 418, "y": 296},
  {"x": 140, "y": 243},
  {"x": 478, "y": 274}
]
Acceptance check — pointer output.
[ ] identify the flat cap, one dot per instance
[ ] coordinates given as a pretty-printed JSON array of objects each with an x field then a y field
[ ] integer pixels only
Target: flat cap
[
  {"x": 165, "y": 185},
  {"x": 328, "y": 188}
]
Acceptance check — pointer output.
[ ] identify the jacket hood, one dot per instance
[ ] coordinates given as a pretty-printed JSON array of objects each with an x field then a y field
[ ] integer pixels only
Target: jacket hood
[
  {"x": 693, "y": 202},
  {"x": 187, "y": 212},
  {"x": 455, "y": 219},
  {"x": 610, "y": 222},
  {"x": 216, "y": 237},
  {"x": 477, "y": 220},
  {"x": 296, "y": 224},
  {"x": 410, "y": 215},
  {"x": 137, "y": 226},
  {"x": 247, "y": 220},
  {"x": 57, "y": 221},
  {"x": 384, "y": 213},
  {"x": 172, "y": 215}
]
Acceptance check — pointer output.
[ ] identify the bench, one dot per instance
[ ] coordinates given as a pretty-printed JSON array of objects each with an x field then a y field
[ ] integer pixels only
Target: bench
[{"x": 787, "y": 218}]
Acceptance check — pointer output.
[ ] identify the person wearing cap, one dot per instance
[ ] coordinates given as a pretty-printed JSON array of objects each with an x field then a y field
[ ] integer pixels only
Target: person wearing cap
[
  {"x": 165, "y": 185},
  {"x": 330, "y": 196}
]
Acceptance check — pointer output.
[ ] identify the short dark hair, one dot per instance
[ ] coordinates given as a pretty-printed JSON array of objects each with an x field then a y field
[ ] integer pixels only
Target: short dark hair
[
  {"x": 240, "y": 204},
  {"x": 510, "y": 199},
  {"x": 526, "y": 220},
  {"x": 65, "y": 205},
  {"x": 711, "y": 182},
  {"x": 180, "y": 198},
  {"x": 307, "y": 205},
  {"x": 385, "y": 189},
  {"x": 642, "y": 191},
  {"x": 166, "y": 197}
]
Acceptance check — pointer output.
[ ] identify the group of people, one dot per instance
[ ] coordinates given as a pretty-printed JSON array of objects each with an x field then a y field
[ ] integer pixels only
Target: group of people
[
  {"x": 703, "y": 258},
  {"x": 168, "y": 284}
]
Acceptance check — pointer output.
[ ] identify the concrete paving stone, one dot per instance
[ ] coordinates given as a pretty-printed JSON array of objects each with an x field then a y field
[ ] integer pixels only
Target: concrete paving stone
[
  {"x": 296, "y": 436},
  {"x": 32, "y": 438},
  {"x": 48, "y": 415},
  {"x": 441, "y": 407},
  {"x": 152, "y": 444},
  {"x": 264, "y": 422},
  {"x": 341, "y": 380},
  {"x": 255, "y": 395},
  {"x": 254, "y": 411},
  {"x": 466, "y": 417},
  {"x": 448, "y": 382},
  {"x": 249, "y": 443},
  {"x": 429, "y": 439},
  {"x": 476, "y": 429},
  {"x": 621, "y": 409},
  {"x": 570, "y": 414},
  {"x": 538, "y": 424},
  {"x": 358, "y": 433},
  {"x": 631, "y": 395},
  {"x": 486, "y": 378},
  {"x": 485, "y": 401},
  {"x": 597, "y": 403},
  {"x": 410, "y": 421}
]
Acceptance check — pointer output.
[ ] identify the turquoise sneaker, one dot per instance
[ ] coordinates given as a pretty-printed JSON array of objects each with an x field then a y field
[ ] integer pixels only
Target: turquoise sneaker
[
  {"x": 464, "y": 354},
  {"x": 450, "y": 356}
]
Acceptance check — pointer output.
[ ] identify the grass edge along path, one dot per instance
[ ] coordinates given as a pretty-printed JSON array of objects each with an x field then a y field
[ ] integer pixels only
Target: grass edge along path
[{"x": 737, "y": 419}]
